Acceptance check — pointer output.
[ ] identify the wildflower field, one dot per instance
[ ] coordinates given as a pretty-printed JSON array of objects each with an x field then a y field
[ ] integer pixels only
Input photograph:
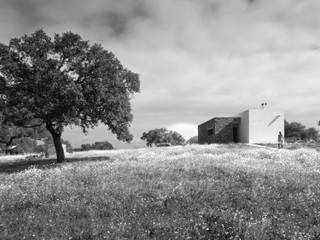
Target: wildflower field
[{"x": 190, "y": 192}]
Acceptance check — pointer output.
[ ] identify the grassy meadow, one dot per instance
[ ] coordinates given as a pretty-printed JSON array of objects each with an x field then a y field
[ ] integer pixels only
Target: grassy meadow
[{"x": 190, "y": 192}]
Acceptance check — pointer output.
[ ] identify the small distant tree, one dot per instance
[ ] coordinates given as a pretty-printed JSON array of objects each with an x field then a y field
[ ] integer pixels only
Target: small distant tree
[
  {"x": 63, "y": 81},
  {"x": 85, "y": 147},
  {"x": 105, "y": 145},
  {"x": 161, "y": 136},
  {"x": 154, "y": 136},
  {"x": 193, "y": 140},
  {"x": 102, "y": 145}
]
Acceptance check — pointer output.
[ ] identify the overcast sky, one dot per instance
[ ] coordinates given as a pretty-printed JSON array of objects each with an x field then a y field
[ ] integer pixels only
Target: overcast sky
[{"x": 196, "y": 59}]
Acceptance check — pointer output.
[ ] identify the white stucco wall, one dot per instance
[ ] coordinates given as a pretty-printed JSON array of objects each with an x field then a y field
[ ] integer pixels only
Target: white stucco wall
[
  {"x": 260, "y": 126},
  {"x": 264, "y": 125}
]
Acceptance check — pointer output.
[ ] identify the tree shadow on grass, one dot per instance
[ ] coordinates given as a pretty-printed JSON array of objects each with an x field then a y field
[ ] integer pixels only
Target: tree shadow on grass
[{"x": 17, "y": 166}]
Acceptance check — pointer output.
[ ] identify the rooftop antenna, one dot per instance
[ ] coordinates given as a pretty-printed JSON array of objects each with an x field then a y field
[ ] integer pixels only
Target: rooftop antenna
[{"x": 264, "y": 105}]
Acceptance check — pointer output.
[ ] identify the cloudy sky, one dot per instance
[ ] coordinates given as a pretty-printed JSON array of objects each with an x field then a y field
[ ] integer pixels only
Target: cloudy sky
[{"x": 196, "y": 59}]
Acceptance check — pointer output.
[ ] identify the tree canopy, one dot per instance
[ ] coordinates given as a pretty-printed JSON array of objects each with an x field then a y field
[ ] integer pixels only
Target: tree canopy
[
  {"x": 297, "y": 130},
  {"x": 161, "y": 136},
  {"x": 63, "y": 81}
]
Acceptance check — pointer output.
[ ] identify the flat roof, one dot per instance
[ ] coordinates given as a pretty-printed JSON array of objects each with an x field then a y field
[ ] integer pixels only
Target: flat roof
[{"x": 218, "y": 118}]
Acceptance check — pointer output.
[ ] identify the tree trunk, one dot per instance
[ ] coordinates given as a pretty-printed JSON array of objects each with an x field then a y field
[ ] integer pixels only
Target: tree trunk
[
  {"x": 57, "y": 143},
  {"x": 58, "y": 147}
]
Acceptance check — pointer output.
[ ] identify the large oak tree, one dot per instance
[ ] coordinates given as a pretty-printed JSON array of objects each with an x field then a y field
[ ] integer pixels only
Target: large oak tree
[{"x": 64, "y": 81}]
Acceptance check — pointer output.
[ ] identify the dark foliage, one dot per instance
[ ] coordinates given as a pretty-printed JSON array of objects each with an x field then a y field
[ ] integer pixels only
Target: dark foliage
[
  {"x": 85, "y": 147},
  {"x": 97, "y": 146},
  {"x": 298, "y": 131},
  {"x": 161, "y": 136}
]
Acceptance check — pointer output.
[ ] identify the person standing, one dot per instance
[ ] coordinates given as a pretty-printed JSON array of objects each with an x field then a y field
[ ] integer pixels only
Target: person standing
[{"x": 280, "y": 140}]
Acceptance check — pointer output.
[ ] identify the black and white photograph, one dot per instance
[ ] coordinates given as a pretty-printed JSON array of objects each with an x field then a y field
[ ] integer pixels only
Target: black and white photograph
[{"x": 159, "y": 120}]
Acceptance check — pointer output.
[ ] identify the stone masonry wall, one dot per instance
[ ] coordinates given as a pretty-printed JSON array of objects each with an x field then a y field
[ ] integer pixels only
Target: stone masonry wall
[
  {"x": 203, "y": 136},
  {"x": 222, "y": 130}
]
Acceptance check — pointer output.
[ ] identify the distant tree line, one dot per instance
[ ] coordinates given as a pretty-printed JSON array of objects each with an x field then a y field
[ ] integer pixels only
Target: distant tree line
[
  {"x": 297, "y": 131},
  {"x": 96, "y": 146}
]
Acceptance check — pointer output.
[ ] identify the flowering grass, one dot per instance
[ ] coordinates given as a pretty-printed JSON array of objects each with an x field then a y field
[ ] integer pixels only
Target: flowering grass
[
  {"x": 298, "y": 145},
  {"x": 191, "y": 192}
]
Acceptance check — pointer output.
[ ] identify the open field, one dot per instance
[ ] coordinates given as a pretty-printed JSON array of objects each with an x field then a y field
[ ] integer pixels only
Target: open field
[
  {"x": 191, "y": 192},
  {"x": 306, "y": 145}
]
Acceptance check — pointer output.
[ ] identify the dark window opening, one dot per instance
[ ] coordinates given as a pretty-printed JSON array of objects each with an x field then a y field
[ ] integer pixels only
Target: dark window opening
[{"x": 210, "y": 131}]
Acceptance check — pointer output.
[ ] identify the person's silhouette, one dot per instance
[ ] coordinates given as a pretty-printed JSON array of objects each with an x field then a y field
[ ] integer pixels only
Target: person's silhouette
[{"x": 280, "y": 140}]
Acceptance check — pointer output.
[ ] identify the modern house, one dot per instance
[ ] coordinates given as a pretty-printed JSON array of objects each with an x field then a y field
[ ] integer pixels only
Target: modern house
[{"x": 251, "y": 126}]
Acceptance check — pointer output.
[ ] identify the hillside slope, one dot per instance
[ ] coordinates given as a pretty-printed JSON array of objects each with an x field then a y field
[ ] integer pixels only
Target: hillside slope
[{"x": 191, "y": 192}]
